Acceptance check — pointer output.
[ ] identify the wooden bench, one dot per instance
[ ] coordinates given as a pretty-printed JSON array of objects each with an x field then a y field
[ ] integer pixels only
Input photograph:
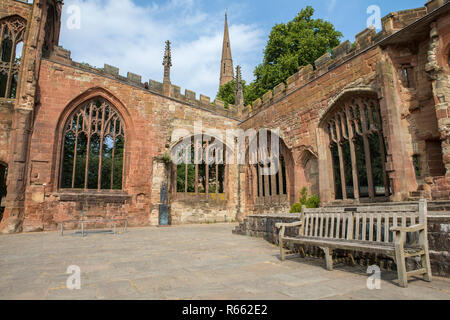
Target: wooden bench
[{"x": 374, "y": 229}]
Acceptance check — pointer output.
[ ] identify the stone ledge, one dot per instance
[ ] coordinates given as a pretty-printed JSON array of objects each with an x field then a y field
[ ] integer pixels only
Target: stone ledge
[{"x": 93, "y": 197}]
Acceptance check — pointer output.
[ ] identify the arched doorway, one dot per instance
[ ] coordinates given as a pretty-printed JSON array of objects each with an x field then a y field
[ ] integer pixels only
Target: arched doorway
[
  {"x": 355, "y": 149},
  {"x": 3, "y": 176}
]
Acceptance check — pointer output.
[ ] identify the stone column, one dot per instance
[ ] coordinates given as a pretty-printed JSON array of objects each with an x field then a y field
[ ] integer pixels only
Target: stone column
[
  {"x": 17, "y": 172},
  {"x": 399, "y": 164},
  {"x": 23, "y": 120},
  {"x": 441, "y": 91}
]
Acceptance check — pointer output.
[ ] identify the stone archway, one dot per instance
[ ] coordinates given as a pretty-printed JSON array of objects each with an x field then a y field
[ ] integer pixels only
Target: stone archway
[
  {"x": 202, "y": 182},
  {"x": 270, "y": 191},
  {"x": 353, "y": 150},
  {"x": 309, "y": 163}
]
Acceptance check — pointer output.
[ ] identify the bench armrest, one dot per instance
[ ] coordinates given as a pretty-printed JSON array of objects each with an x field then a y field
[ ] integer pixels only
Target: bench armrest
[
  {"x": 414, "y": 228},
  {"x": 283, "y": 226},
  {"x": 288, "y": 225}
]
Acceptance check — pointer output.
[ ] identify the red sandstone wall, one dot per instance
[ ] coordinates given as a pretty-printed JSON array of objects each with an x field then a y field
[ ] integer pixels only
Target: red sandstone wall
[
  {"x": 297, "y": 115},
  {"x": 150, "y": 120},
  {"x": 8, "y": 8},
  {"x": 6, "y": 117},
  {"x": 409, "y": 116}
]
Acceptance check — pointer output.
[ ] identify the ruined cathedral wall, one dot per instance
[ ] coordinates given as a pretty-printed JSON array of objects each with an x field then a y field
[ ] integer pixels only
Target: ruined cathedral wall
[
  {"x": 6, "y": 120},
  {"x": 9, "y": 8},
  {"x": 377, "y": 64},
  {"x": 149, "y": 118},
  {"x": 297, "y": 114}
]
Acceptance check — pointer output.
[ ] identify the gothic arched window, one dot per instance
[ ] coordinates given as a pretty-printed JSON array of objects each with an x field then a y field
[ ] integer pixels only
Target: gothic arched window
[
  {"x": 357, "y": 149},
  {"x": 12, "y": 30},
  {"x": 265, "y": 185},
  {"x": 199, "y": 173},
  {"x": 94, "y": 143}
]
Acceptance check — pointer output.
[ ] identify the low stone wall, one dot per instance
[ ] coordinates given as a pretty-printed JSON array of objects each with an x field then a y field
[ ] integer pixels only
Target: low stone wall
[
  {"x": 201, "y": 208},
  {"x": 263, "y": 226}
]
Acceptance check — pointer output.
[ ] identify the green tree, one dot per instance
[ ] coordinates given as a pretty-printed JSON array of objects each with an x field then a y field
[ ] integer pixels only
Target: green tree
[
  {"x": 291, "y": 45},
  {"x": 226, "y": 93},
  {"x": 297, "y": 43},
  {"x": 309, "y": 202}
]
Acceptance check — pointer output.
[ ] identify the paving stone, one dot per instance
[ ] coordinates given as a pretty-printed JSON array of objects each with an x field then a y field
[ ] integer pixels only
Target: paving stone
[{"x": 183, "y": 262}]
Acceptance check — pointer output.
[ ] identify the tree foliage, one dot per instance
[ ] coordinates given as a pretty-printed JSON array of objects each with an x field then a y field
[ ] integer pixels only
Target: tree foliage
[
  {"x": 291, "y": 45},
  {"x": 226, "y": 93},
  {"x": 310, "y": 202}
]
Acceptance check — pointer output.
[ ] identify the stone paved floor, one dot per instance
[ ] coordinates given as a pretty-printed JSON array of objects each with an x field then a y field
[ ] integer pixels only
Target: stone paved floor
[{"x": 183, "y": 262}]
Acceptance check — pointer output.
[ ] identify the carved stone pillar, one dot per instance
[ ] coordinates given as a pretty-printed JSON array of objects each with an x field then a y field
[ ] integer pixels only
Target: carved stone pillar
[
  {"x": 17, "y": 172},
  {"x": 23, "y": 118},
  {"x": 441, "y": 92}
]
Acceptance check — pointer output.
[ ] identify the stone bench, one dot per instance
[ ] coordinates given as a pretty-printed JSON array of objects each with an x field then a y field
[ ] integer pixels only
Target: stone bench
[{"x": 374, "y": 229}]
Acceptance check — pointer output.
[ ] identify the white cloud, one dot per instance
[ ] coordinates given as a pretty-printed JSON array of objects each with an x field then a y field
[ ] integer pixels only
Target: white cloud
[{"x": 132, "y": 38}]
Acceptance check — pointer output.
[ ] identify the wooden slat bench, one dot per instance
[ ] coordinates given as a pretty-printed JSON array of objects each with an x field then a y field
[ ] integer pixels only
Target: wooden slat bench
[{"x": 374, "y": 229}]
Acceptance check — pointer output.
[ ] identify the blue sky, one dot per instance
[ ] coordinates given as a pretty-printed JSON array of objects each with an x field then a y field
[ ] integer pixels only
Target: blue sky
[{"x": 130, "y": 34}]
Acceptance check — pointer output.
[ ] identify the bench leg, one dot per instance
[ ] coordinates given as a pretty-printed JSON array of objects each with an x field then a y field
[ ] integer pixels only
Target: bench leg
[
  {"x": 328, "y": 258},
  {"x": 426, "y": 264},
  {"x": 401, "y": 267},
  {"x": 426, "y": 257}
]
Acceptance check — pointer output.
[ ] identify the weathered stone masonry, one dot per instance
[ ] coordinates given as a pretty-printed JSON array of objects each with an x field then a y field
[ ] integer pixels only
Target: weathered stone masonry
[{"x": 387, "y": 97}]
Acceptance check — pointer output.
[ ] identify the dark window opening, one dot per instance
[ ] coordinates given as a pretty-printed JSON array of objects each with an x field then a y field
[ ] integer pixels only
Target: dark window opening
[
  {"x": 358, "y": 150},
  {"x": 416, "y": 162},
  {"x": 93, "y": 148},
  {"x": 12, "y": 31},
  {"x": 435, "y": 161},
  {"x": 201, "y": 178},
  {"x": 408, "y": 76}
]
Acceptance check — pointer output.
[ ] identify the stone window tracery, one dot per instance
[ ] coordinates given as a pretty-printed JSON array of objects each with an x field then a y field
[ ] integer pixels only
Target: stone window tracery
[
  {"x": 199, "y": 174},
  {"x": 93, "y": 147},
  {"x": 12, "y": 30},
  {"x": 357, "y": 149},
  {"x": 272, "y": 189}
]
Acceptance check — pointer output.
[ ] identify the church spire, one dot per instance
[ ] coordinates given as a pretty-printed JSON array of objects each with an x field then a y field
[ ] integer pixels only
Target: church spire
[{"x": 226, "y": 69}]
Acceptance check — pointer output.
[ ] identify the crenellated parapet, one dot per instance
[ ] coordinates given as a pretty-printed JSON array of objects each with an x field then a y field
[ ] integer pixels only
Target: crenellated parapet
[
  {"x": 61, "y": 55},
  {"x": 366, "y": 39}
]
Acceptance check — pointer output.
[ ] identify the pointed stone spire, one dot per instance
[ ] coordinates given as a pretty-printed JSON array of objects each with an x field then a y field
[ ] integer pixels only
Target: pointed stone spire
[
  {"x": 226, "y": 69},
  {"x": 238, "y": 89},
  {"x": 167, "y": 62}
]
